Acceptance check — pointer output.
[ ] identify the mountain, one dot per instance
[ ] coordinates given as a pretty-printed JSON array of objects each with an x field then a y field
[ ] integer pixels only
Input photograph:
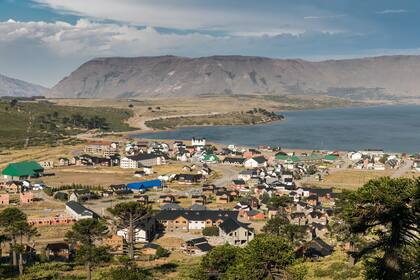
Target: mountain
[
  {"x": 164, "y": 76},
  {"x": 18, "y": 88}
]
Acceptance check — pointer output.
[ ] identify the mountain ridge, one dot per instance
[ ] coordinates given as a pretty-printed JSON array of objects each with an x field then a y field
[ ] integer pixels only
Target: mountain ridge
[
  {"x": 166, "y": 76},
  {"x": 18, "y": 88}
]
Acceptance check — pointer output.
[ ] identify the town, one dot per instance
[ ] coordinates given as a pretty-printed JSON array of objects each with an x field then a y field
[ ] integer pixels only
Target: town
[{"x": 165, "y": 201}]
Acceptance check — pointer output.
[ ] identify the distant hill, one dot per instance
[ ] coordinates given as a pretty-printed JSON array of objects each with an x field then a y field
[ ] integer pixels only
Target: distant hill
[
  {"x": 18, "y": 88},
  {"x": 368, "y": 78}
]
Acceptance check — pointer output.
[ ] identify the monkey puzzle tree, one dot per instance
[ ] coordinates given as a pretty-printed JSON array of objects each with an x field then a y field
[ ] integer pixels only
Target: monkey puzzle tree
[
  {"x": 10, "y": 218},
  {"x": 87, "y": 233},
  {"x": 129, "y": 213},
  {"x": 388, "y": 210}
]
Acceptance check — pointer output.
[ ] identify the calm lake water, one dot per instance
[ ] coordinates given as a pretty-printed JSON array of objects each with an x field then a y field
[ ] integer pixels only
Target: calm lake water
[{"x": 392, "y": 128}]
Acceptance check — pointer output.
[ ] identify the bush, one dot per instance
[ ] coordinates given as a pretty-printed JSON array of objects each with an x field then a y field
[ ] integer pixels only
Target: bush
[
  {"x": 161, "y": 253},
  {"x": 211, "y": 231}
]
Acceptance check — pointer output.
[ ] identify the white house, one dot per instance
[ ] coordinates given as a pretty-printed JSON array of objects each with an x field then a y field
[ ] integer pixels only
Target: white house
[
  {"x": 254, "y": 162},
  {"x": 144, "y": 231},
  {"x": 355, "y": 156},
  {"x": 78, "y": 211},
  {"x": 198, "y": 142}
]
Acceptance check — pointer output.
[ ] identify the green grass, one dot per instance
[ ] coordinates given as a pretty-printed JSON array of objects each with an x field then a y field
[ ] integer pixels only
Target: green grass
[{"x": 47, "y": 123}]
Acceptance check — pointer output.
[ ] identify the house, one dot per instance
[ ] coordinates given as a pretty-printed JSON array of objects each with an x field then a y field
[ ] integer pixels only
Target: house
[
  {"x": 199, "y": 199},
  {"x": 144, "y": 230},
  {"x": 254, "y": 162},
  {"x": 210, "y": 158},
  {"x": 23, "y": 170},
  {"x": 315, "y": 248},
  {"x": 198, "y": 142},
  {"x": 144, "y": 185},
  {"x": 188, "y": 178},
  {"x": 63, "y": 161},
  {"x": 105, "y": 149},
  {"x": 140, "y": 160},
  {"x": 197, "y": 246},
  {"x": 233, "y": 161},
  {"x": 78, "y": 211},
  {"x": 235, "y": 232},
  {"x": 167, "y": 199},
  {"x": 58, "y": 252},
  {"x": 298, "y": 218},
  {"x": 14, "y": 186},
  {"x": 47, "y": 164},
  {"x": 185, "y": 220},
  {"x": 239, "y": 184},
  {"x": 26, "y": 197},
  {"x": 223, "y": 197},
  {"x": 247, "y": 174},
  {"x": 254, "y": 215}
]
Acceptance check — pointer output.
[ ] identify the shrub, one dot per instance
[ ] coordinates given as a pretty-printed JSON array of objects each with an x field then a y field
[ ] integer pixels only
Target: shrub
[{"x": 211, "y": 231}]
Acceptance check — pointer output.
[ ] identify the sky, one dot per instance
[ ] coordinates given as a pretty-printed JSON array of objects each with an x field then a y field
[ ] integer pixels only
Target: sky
[{"x": 42, "y": 41}]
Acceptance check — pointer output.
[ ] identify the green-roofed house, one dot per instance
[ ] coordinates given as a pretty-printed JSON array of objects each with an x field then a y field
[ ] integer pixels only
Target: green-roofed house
[
  {"x": 210, "y": 158},
  {"x": 23, "y": 170},
  {"x": 330, "y": 158}
]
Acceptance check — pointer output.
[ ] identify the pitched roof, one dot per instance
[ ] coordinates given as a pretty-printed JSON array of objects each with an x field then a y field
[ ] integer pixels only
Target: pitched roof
[
  {"x": 317, "y": 246},
  {"x": 230, "y": 225},
  {"x": 191, "y": 215},
  {"x": 234, "y": 160},
  {"x": 260, "y": 159},
  {"x": 79, "y": 208},
  {"x": 204, "y": 247},
  {"x": 24, "y": 168}
]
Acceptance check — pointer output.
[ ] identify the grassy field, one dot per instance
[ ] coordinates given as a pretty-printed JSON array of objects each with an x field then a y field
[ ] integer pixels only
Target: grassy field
[
  {"x": 233, "y": 118},
  {"x": 351, "y": 179},
  {"x": 40, "y": 123}
]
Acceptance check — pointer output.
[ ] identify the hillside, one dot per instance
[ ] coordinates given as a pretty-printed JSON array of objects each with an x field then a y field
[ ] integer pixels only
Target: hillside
[
  {"x": 386, "y": 77},
  {"x": 42, "y": 123},
  {"x": 18, "y": 88}
]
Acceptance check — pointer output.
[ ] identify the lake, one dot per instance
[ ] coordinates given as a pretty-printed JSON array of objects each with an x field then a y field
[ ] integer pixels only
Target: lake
[{"x": 393, "y": 128}]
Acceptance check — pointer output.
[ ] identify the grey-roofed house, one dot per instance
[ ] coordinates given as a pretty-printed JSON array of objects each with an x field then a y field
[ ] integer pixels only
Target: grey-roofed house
[
  {"x": 78, "y": 211},
  {"x": 235, "y": 232},
  {"x": 197, "y": 246},
  {"x": 193, "y": 221}
]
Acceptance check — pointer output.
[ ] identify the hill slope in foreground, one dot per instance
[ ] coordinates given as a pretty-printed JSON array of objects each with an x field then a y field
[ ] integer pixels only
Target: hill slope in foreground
[{"x": 386, "y": 77}]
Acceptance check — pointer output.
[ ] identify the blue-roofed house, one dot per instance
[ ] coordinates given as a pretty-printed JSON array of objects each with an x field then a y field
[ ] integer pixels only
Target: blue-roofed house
[{"x": 144, "y": 185}]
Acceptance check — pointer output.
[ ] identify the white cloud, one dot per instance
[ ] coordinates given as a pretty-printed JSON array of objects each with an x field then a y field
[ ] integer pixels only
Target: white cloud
[
  {"x": 390, "y": 11},
  {"x": 324, "y": 17},
  {"x": 97, "y": 39}
]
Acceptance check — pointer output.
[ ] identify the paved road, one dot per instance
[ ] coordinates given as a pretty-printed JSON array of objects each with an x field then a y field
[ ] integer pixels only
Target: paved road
[{"x": 404, "y": 168}]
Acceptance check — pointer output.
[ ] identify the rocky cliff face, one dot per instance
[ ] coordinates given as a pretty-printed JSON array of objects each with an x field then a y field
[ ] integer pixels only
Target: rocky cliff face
[
  {"x": 18, "y": 88},
  {"x": 390, "y": 76}
]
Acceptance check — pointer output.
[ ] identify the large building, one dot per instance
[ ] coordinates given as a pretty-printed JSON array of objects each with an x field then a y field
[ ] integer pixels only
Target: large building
[
  {"x": 78, "y": 211},
  {"x": 235, "y": 232},
  {"x": 23, "y": 170},
  {"x": 193, "y": 221},
  {"x": 142, "y": 160}
]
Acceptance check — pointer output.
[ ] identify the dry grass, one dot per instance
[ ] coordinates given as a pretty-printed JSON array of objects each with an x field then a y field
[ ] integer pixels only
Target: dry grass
[{"x": 349, "y": 179}]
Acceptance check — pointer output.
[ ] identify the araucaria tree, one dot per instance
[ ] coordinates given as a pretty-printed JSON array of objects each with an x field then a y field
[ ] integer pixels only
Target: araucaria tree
[
  {"x": 130, "y": 213},
  {"x": 387, "y": 212},
  {"x": 10, "y": 220},
  {"x": 86, "y": 233},
  {"x": 280, "y": 225}
]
